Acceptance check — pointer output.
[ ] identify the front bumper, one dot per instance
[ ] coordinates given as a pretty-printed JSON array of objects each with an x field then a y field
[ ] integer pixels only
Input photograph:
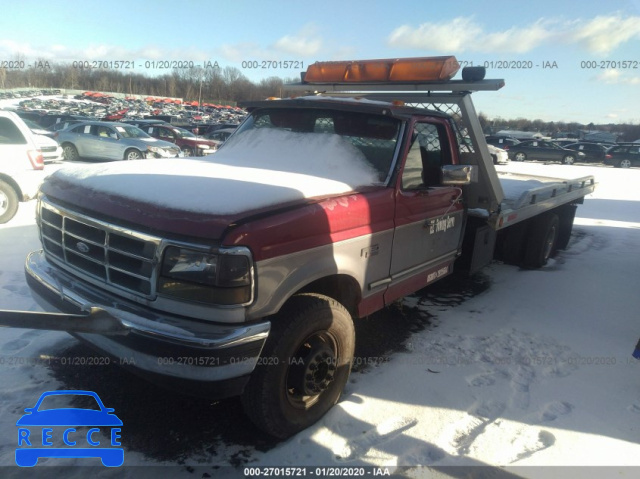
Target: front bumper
[{"x": 166, "y": 348}]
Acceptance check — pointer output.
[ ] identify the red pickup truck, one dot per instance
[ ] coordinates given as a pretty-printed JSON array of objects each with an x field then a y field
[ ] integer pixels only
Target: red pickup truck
[{"x": 243, "y": 273}]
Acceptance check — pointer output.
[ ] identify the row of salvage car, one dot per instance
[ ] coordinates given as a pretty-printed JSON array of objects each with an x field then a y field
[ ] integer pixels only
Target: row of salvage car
[
  {"x": 75, "y": 140},
  {"x": 620, "y": 155}
]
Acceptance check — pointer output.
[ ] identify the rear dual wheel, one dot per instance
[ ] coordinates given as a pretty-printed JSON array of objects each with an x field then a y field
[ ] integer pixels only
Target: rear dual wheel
[{"x": 541, "y": 241}]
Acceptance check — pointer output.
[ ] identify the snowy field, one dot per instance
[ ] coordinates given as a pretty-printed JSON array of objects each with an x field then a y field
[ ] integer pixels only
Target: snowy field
[{"x": 534, "y": 371}]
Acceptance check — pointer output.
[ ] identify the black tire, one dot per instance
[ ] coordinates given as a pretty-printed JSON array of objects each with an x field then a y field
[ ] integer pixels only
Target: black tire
[
  {"x": 132, "y": 154},
  {"x": 8, "y": 202},
  {"x": 304, "y": 365},
  {"x": 566, "y": 215},
  {"x": 569, "y": 160},
  {"x": 541, "y": 241},
  {"x": 187, "y": 151},
  {"x": 70, "y": 152},
  {"x": 512, "y": 244},
  {"x": 520, "y": 156}
]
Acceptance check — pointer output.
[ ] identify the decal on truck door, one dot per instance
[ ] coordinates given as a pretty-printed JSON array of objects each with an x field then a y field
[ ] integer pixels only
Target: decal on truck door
[{"x": 429, "y": 216}]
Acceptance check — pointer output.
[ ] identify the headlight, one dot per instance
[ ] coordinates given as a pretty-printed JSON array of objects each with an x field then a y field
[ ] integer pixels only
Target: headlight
[
  {"x": 207, "y": 278},
  {"x": 204, "y": 147}
]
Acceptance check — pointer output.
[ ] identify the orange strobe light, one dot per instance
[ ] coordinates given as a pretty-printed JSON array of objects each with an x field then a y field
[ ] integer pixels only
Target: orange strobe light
[{"x": 388, "y": 70}]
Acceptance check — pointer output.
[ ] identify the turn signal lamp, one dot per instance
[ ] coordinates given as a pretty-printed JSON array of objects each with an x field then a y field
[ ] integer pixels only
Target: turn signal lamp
[{"x": 388, "y": 70}]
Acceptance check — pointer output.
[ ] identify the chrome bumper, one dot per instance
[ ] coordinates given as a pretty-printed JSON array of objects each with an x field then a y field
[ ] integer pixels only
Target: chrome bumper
[{"x": 158, "y": 343}]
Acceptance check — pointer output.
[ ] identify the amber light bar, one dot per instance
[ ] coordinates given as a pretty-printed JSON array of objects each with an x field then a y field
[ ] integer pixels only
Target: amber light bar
[{"x": 388, "y": 70}]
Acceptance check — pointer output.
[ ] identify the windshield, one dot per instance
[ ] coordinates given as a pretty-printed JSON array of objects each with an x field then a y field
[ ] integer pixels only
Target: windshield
[
  {"x": 182, "y": 133},
  {"x": 131, "y": 132},
  {"x": 375, "y": 136},
  {"x": 31, "y": 124}
]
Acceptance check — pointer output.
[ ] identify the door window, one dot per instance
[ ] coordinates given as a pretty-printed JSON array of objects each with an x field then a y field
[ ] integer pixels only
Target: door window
[
  {"x": 10, "y": 134},
  {"x": 426, "y": 156}
]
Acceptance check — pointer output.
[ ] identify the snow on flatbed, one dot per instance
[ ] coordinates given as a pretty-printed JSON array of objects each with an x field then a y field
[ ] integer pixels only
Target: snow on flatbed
[
  {"x": 531, "y": 190},
  {"x": 519, "y": 187}
]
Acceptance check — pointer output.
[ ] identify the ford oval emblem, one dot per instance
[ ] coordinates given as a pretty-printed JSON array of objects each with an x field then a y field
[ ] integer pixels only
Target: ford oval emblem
[{"x": 82, "y": 247}]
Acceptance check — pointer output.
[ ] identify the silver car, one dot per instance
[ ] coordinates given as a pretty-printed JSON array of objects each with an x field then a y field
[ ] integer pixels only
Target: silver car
[{"x": 112, "y": 141}]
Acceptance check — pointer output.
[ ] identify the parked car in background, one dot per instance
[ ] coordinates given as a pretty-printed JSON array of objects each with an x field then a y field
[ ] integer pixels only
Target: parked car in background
[
  {"x": 592, "y": 151},
  {"x": 112, "y": 141},
  {"x": 208, "y": 128},
  {"x": 502, "y": 142},
  {"x": 63, "y": 125},
  {"x": 623, "y": 156},
  {"x": 48, "y": 120},
  {"x": 542, "y": 150},
  {"x": 51, "y": 150},
  {"x": 143, "y": 123},
  {"x": 499, "y": 155},
  {"x": 21, "y": 164},
  {"x": 220, "y": 134},
  {"x": 190, "y": 144},
  {"x": 565, "y": 141}
]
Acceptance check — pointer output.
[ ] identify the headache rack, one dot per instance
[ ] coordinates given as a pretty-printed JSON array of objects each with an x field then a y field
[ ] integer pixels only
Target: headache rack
[{"x": 452, "y": 97}]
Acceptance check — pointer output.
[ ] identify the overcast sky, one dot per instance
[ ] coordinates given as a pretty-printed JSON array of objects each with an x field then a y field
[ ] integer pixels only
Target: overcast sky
[{"x": 560, "y": 54}]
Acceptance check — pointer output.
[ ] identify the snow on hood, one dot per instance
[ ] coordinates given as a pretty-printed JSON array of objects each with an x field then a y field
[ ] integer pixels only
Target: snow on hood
[{"x": 257, "y": 168}]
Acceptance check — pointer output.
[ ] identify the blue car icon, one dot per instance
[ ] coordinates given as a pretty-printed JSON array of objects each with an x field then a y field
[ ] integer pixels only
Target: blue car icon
[{"x": 34, "y": 443}]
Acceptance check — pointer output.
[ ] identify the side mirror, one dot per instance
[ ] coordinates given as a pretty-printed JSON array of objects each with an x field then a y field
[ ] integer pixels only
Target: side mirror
[{"x": 456, "y": 175}]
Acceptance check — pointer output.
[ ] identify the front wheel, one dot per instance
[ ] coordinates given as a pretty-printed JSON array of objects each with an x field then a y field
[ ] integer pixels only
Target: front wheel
[
  {"x": 132, "y": 155},
  {"x": 187, "y": 152},
  {"x": 8, "y": 202},
  {"x": 304, "y": 366},
  {"x": 569, "y": 160},
  {"x": 520, "y": 156},
  {"x": 70, "y": 152}
]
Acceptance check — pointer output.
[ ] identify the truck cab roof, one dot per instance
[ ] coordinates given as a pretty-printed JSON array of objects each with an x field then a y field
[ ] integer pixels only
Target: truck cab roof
[{"x": 399, "y": 111}]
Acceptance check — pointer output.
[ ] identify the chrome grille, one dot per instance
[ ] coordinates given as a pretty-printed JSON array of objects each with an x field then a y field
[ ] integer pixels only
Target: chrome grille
[{"x": 99, "y": 251}]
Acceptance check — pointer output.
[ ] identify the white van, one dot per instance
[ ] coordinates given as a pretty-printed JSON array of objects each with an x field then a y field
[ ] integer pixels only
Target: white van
[{"x": 21, "y": 164}]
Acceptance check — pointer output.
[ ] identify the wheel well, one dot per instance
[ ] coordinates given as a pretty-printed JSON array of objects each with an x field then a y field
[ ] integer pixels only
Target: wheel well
[
  {"x": 12, "y": 183},
  {"x": 340, "y": 287}
]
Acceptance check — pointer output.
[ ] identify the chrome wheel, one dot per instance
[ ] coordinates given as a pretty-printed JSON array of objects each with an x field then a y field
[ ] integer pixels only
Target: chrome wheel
[
  {"x": 70, "y": 152},
  {"x": 132, "y": 155}
]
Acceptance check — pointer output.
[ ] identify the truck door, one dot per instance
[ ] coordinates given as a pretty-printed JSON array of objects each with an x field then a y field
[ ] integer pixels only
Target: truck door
[{"x": 429, "y": 217}]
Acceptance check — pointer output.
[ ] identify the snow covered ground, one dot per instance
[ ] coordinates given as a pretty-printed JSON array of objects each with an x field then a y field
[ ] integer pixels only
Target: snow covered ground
[{"x": 534, "y": 371}]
